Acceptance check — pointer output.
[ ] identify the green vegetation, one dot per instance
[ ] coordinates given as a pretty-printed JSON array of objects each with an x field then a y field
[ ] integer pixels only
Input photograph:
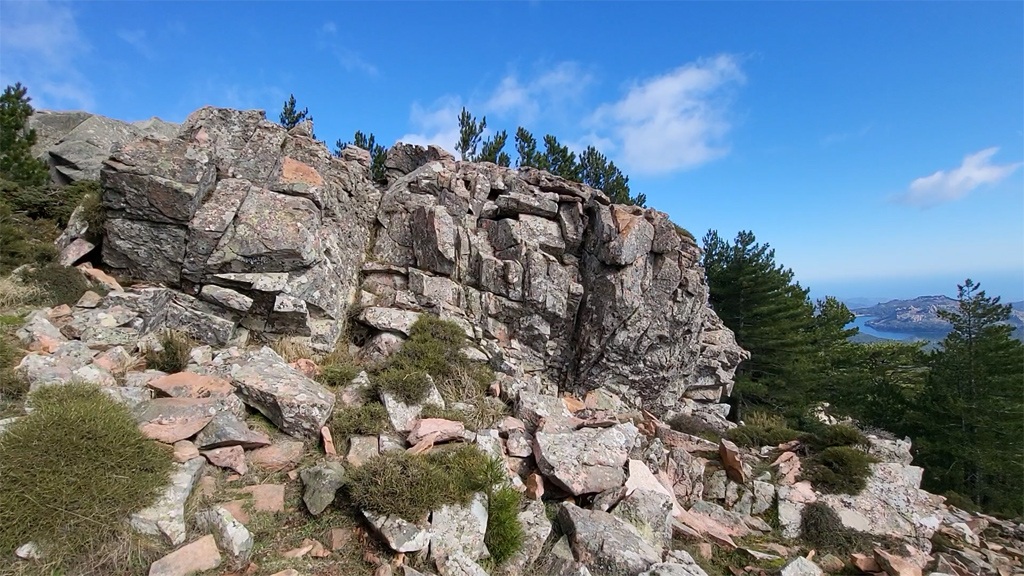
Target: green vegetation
[
  {"x": 821, "y": 528},
  {"x": 491, "y": 150},
  {"x": 59, "y": 284},
  {"x": 763, "y": 429},
  {"x": 378, "y": 153},
  {"x": 370, "y": 418},
  {"x": 837, "y": 435},
  {"x": 961, "y": 403},
  {"x": 291, "y": 116},
  {"x": 172, "y": 356},
  {"x": 470, "y": 134},
  {"x": 74, "y": 469},
  {"x": 504, "y": 536},
  {"x": 13, "y": 386},
  {"x": 16, "y": 140},
  {"x": 409, "y": 485},
  {"x": 838, "y": 470},
  {"x": 434, "y": 348}
]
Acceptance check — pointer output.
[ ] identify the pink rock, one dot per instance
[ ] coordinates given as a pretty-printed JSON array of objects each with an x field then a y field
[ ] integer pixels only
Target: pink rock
[
  {"x": 171, "y": 419},
  {"x": 307, "y": 367},
  {"x": 788, "y": 465},
  {"x": 446, "y": 430},
  {"x": 730, "y": 455},
  {"x": 237, "y": 509},
  {"x": 75, "y": 251},
  {"x": 510, "y": 423},
  {"x": 189, "y": 385},
  {"x": 298, "y": 552},
  {"x": 423, "y": 445},
  {"x": 277, "y": 456},
  {"x": 799, "y": 493},
  {"x": 266, "y": 497},
  {"x": 59, "y": 311},
  {"x": 573, "y": 404},
  {"x": 88, "y": 300},
  {"x": 192, "y": 558},
  {"x": 100, "y": 276},
  {"x": 115, "y": 359},
  {"x": 231, "y": 457},
  {"x": 185, "y": 451},
  {"x": 534, "y": 486},
  {"x": 894, "y": 565},
  {"x": 338, "y": 538},
  {"x": 329, "y": 448}
]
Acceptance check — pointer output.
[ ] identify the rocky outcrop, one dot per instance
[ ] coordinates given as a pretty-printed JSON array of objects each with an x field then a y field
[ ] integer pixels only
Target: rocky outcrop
[{"x": 258, "y": 229}]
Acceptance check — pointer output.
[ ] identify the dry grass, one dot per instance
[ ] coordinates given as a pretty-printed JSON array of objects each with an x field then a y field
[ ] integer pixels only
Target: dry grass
[
  {"x": 14, "y": 293},
  {"x": 291, "y": 349},
  {"x": 174, "y": 353},
  {"x": 73, "y": 470}
]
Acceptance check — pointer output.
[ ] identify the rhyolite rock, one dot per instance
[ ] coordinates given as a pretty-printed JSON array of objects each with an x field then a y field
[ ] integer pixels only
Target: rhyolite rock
[
  {"x": 193, "y": 558},
  {"x": 166, "y": 517},
  {"x": 605, "y": 544},
  {"x": 458, "y": 528},
  {"x": 320, "y": 483},
  {"x": 587, "y": 460}
]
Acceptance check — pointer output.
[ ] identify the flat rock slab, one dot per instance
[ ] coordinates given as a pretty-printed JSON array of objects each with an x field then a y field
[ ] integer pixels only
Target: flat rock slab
[
  {"x": 456, "y": 528},
  {"x": 199, "y": 556},
  {"x": 225, "y": 430},
  {"x": 171, "y": 419},
  {"x": 231, "y": 536},
  {"x": 167, "y": 516},
  {"x": 230, "y": 457},
  {"x": 191, "y": 385},
  {"x": 584, "y": 461},
  {"x": 389, "y": 319},
  {"x": 266, "y": 497},
  {"x": 399, "y": 534},
  {"x": 295, "y": 404},
  {"x": 277, "y": 456},
  {"x": 532, "y": 408},
  {"x": 605, "y": 544},
  {"x": 443, "y": 430}
]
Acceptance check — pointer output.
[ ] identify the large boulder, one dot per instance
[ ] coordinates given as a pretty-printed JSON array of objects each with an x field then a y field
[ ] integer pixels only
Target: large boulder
[
  {"x": 584, "y": 461},
  {"x": 606, "y": 545}
]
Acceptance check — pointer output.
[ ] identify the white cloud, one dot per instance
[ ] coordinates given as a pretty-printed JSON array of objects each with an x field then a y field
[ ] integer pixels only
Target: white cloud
[
  {"x": 942, "y": 186},
  {"x": 438, "y": 124},
  {"x": 41, "y": 44},
  {"x": 349, "y": 59},
  {"x": 137, "y": 39},
  {"x": 551, "y": 88},
  {"x": 675, "y": 121}
]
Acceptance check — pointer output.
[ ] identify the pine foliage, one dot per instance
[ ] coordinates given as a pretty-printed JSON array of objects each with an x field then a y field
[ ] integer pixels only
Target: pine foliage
[{"x": 16, "y": 140}]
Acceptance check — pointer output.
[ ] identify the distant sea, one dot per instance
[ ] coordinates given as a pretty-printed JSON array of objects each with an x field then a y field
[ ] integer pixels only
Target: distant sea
[{"x": 860, "y": 322}]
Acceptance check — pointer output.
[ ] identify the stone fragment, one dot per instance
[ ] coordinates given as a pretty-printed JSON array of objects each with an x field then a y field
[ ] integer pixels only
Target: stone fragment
[
  {"x": 266, "y": 497},
  {"x": 75, "y": 251},
  {"x": 231, "y": 536},
  {"x": 388, "y": 319},
  {"x": 295, "y": 404},
  {"x": 114, "y": 360},
  {"x": 607, "y": 545},
  {"x": 730, "y": 455},
  {"x": 277, "y": 456},
  {"x": 534, "y": 486},
  {"x": 227, "y": 430},
  {"x": 102, "y": 277},
  {"x": 338, "y": 538},
  {"x": 457, "y": 528},
  {"x": 319, "y": 485},
  {"x": 28, "y": 551},
  {"x": 400, "y": 535},
  {"x": 650, "y": 512},
  {"x": 166, "y": 517},
  {"x": 361, "y": 449},
  {"x": 171, "y": 419},
  {"x": 800, "y": 566},
  {"x": 520, "y": 444},
  {"x": 89, "y": 300},
  {"x": 531, "y": 408},
  {"x": 831, "y": 564},
  {"x": 191, "y": 385},
  {"x": 587, "y": 460},
  {"x": 230, "y": 457},
  {"x": 404, "y": 416},
  {"x": 185, "y": 451},
  {"x": 894, "y": 565},
  {"x": 443, "y": 430},
  {"x": 198, "y": 556},
  {"x": 39, "y": 335},
  {"x": 329, "y": 449}
]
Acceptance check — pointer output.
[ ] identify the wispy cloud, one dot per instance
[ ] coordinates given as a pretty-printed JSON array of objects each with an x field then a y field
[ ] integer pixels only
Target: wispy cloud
[
  {"x": 976, "y": 170},
  {"x": 41, "y": 45},
  {"x": 839, "y": 137},
  {"x": 548, "y": 89},
  {"x": 675, "y": 121},
  {"x": 435, "y": 124},
  {"x": 349, "y": 59},
  {"x": 137, "y": 39}
]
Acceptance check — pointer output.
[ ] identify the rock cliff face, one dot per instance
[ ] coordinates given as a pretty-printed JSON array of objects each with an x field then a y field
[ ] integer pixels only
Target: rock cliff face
[{"x": 266, "y": 230}]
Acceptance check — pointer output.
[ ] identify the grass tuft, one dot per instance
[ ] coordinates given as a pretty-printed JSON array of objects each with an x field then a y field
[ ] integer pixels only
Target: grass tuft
[
  {"x": 762, "y": 429},
  {"x": 59, "y": 284},
  {"x": 838, "y": 435},
  {"x": 291, "y": 349},
  {"x": 74, "y": 470},
  {"x": 14, "y": 293},
  {"x": 368, "y": 419},
  {"x": 504, "y": 536},
  {"x": 173, "y": 357},
  {"x": 823, "y": 530},
  {"x": 838, "y": 470}
]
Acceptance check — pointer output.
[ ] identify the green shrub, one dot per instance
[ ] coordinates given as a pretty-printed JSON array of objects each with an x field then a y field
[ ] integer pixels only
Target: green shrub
[
  {"x": 762, "y": 429},
  {"x": 25, "y": 241},
  {"x": 93, "y": 213},
  {"x": 336, "y": 375},
  {"x": 838, "y": 435},
  {"x": 410, "y": 485},
  {"x": 173, "y": 357},
  {"x": 962, "y": 502},
  {"x": 73, "y": 471},
  {"x": 13, "y": 386},
  {"x": 434, "y": 348},
  {"x": 347, "y": 421},
  {"x": 822, "y": 529},
  {"x": 838, "y": 470},
  {"x": 504, "y": 536},
  {"x": 61, "y": 284}
]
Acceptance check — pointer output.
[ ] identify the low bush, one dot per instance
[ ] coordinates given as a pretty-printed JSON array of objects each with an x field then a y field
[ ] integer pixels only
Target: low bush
[
  {"x": 838, "y": 435},
  {"x": 338, "y": 368},
  {"x": 74, "y": 470},
  {"x": 347, "y": 421},
  {"x": 410, "y": 486},
  {"x": 822, "y": 529},
  {"x": 962, "y": 502},
  {"x": 762, "y": 429},
  {"x": 60, "y": 284},
  {"x": 504, "y": 536},
  {"x": 434, "y": 348},
  {"x": 838, "y": 470},
  {"x": 173, "y": 355},
  {"x": 25, "y": 241}
]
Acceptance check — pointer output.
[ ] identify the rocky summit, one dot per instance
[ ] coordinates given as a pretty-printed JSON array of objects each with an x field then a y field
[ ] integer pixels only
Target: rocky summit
[{"x": 461, "y": 369}]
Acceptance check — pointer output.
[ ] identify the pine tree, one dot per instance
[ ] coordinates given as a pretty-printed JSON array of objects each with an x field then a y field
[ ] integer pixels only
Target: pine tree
[
  {"x": 470, "y": 133},
  {"x": 491, "y": 151},
  {"x": 598, "y": 172},
  {"x": 378, "y": 153},
  {"x": 291, "y": 116},
  {"x": 16, "y": 140},
  {"x": 970, "y": 411},
  {"x": 526, "y": 149},
  {"x": 559, "y": 160},
  {"x": 771, "y": 316}
]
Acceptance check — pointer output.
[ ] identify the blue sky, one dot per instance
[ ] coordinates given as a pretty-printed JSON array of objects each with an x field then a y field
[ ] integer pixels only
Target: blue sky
[{"x": 876, "y": 146}]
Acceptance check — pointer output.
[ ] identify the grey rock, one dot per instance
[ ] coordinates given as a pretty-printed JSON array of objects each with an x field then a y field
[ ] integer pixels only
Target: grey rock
[
  {"x": 294, "y": 403},
  {"x": 403, "y": 416},
  {"x": 532, "y": 408},
  {"x": 166, "y": 517},
  {"x": 400, "y": 535},
  {"x": 226, "y": 429},
  {"x": 460, "y": 529},
  {"x": 226, "y": 297},
  {"x": 232, "y": 537},
  {"x": 29, "y": 551},
  {"x": 459, "y": 564},
  {"x": 650, "y": 513},
  {"x": 78, "y": 248},
  {"x": 801, "y": 566},
  {"x": 607, "y": 545},
  {"x": 388, "y": 319},
  {"x": 673, "y": 569},
  {"x": 320, "y": 483},
  {"x": 587, "y": 460},
  {"x": 76, "y": 143}
]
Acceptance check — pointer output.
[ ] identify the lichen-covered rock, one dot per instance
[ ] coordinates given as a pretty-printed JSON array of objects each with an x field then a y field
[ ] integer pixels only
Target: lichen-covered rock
[
  {"x": 399, "y": 534},
  {"x": 166, "y": 517},
  {"x": 319, "y": 485},
  {"x": 584, "y": 461},
  {"x": 606, "y": 545},
  {"x": 460, "y": 529},
  {"x": 231, "y": 536},
  {"x": 295, "y": 404},
  {"x": 226, "y": 429}
]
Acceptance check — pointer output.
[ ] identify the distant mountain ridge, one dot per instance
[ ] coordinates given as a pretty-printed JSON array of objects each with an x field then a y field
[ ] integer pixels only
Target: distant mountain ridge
[{"x": 920, "y": 315}]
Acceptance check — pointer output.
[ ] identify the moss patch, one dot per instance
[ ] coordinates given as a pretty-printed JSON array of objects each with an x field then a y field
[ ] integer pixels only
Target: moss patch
[{"x": 73, "y": 470}]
